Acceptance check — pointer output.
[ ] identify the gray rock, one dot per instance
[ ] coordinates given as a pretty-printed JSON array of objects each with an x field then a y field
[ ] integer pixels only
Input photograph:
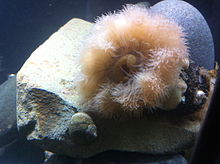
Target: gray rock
[
  {"x": 47, "y": 98},
  {"x": 8, "y": 127},
  {"x": 13, "y": 149},
  {"x": 175, "y": 159},
  {"x": 22, "y": 152},
  {"x": 60, "y": 159},
  {"x": 120, "y": 158},
  {"x": 197, "y": 31}
]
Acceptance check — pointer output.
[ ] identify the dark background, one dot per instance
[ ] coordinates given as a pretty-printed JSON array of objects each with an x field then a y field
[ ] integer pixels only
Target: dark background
[{"x": 26, "y": 24}]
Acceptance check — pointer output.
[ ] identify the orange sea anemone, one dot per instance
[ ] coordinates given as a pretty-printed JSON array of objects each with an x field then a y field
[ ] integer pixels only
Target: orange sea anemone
[{"x": 132, "y": 62}]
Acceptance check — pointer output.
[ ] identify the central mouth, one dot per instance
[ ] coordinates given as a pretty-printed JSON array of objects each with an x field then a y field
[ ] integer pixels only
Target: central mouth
[{"x": 125, "y": 66}]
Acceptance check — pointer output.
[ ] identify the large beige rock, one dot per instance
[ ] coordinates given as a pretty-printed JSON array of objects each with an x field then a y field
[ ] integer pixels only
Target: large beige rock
[{"x": 47, "y": 99}]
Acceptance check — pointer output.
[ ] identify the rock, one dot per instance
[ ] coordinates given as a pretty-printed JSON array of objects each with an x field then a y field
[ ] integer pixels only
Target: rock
[
  {"x": 22, "y": 152},
  {"x": 47, "y": 99},
  {"x": 120, "y": 158},
  {"x": 135, "y": 158},
  {"x": 8, "y": 127},
  {"x": 197, "y": 31}
]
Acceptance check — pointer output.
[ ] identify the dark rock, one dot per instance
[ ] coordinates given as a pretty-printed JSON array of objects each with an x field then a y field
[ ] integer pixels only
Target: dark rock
[
  {"x": 8, "y": 127},
  {"x": 197, "y": 31},
  {"x": 60, "y": 159},
  {"x": 120, "y": 157},
  {"x": 112, "y": 157},
  {"x": 22, "y": 152}
]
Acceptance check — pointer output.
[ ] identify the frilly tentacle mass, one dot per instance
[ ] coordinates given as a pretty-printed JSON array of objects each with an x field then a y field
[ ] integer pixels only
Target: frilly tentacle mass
[{"x": 132, "y": 62}]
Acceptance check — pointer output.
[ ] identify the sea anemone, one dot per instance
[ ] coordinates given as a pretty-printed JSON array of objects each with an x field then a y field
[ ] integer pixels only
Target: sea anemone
[{"x": 131, "y": 62}]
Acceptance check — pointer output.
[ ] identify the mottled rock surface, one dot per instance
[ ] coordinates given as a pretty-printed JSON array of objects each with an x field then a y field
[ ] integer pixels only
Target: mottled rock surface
[
  {"x": 47, "y": 98},
  {"x": 197, "y": 31},
  {"x": 8, "y": 127}
]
